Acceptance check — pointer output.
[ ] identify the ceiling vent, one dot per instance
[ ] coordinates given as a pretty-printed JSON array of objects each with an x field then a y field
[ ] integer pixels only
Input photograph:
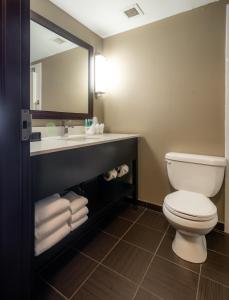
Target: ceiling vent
[
  {"x": 133, "y": 11},
  {"x": 59, "y": 41}
]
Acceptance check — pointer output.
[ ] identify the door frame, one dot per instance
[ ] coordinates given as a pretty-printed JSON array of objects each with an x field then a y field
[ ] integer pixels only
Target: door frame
[
  {"x": 226, "y": 221},
  {"x": 15, "y": 205}
]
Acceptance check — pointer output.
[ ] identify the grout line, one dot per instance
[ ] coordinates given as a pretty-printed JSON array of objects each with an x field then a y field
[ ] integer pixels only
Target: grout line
[
  {"x": 198, "y": 284},
  {"x": 143, "y": 277},
  {"x": 215, "y": 281},
  {"x": 101, "y": 262},
  {"x": 152, "y": 228},
  {"x": 121, "y": 275},
  {"x": 217, "y": 252},
  {"x": 120, "y": 217},
  {"x": 148, "y": 227},
  {"x": 132, "y": 244},
  {"x": 139, "y": 247},
  {"x": 53, "y": 288},
  {"x": 110, "y": 234},
  {"x": 87, "y": 256},
  {"x": 148, "y": 291},
  {"x": 107, "y": 267},
  {"x": 183, "y": 267}
]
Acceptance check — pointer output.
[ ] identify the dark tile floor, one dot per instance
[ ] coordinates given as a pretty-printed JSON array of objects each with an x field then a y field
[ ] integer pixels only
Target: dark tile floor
[{"x": 131, "y": 258}]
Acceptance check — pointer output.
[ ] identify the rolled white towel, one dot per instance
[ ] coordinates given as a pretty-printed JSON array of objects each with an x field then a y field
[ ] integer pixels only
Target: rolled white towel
[
  {"x": 78, "y": 223},
  {"x": 110, "y": 175},
  {"x": 79, "y": 214},
  {"x": 122, "y": 170},
  {"x": 51, "y": 240},
  {"x": 76, "y": 201},
  {"x": 45, "y": 229},
  {"x": 49, "y": 207}
]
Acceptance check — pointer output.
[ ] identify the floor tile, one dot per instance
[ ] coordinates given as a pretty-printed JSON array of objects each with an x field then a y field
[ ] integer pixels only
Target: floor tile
[
  {"x": 218, "y": 242},
  {"x": 106, "y": 285},
  {"x": 209, "y": 290},
  {"x": 117, "y": 227},
  {"x": 68, "y": 271},
  {"x": 144, "y": 295},
  {"x": 131, "y": 212},
  {"x": 216, "y": 267},
  {"x": 165, "y": 250},
  {"x": 42, "y": 291},
  {"x": 154, "y": 220},
  {"x": 144, "y": 237},
  {"x": 129, "y": 261},
  {"x": 171, "y": 231},
  {"x": 170, "y": 281},
  {"x": 98, "y": 246}
]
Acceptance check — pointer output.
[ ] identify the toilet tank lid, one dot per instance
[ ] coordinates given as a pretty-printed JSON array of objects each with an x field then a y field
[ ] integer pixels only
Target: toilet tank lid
[{"x": 195, "y": 158}]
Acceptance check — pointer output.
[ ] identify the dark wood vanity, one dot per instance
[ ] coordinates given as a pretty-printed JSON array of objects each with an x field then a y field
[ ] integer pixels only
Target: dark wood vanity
[
  {"x": 81, "y": 169},
  {"x": 78, "y": 168}
]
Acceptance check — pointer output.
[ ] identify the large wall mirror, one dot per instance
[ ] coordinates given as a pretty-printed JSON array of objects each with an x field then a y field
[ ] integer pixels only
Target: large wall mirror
[{"x": 60, "y": 72}]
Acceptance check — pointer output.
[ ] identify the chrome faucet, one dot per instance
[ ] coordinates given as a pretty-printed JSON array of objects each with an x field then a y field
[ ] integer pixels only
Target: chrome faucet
[{"x": 67, "y": 124}]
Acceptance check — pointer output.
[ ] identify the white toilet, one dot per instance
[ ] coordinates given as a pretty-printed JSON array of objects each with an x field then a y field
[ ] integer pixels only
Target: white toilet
[{"x": 189, "y": 210}]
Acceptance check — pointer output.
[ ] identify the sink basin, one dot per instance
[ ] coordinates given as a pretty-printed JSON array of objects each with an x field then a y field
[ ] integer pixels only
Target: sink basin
[{"x": 79, "y": 138}]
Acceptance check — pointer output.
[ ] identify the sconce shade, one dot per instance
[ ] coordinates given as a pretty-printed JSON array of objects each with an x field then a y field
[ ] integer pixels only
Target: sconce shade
[{"x": 100, "y": 74}]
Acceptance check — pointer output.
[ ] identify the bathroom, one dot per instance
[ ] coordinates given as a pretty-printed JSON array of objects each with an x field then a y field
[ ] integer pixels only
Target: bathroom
[{"x": 136, "y": 172}]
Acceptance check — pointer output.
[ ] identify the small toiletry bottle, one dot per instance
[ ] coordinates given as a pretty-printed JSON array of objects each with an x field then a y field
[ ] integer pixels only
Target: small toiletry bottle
[
  {"x": 86, "y": 125},
  {"x": 95, "y": 120}
]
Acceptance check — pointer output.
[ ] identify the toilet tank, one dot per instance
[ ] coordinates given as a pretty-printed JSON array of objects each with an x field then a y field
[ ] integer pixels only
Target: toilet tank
[{"x": 196, "y": 173}]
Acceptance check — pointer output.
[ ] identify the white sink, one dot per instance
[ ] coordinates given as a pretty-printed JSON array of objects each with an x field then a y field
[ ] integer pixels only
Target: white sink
[{"x": 78, "y": 138}]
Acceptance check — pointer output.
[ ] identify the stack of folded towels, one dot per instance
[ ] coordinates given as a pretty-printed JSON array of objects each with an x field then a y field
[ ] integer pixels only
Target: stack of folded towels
[
  {"x": 52, "y": 215},
  {"x": 78, "y": 208}
]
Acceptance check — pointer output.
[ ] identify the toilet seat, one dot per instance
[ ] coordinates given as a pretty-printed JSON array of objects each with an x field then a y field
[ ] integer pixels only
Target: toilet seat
[{"x": 190, "y": 206}]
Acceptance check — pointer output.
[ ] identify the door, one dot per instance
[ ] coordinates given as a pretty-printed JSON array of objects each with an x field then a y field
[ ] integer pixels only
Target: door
[{"x": 15, "y": 205}]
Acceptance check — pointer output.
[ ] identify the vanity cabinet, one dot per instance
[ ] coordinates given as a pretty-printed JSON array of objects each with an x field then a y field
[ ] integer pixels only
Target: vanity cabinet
[{"x": 59, "y": 171}]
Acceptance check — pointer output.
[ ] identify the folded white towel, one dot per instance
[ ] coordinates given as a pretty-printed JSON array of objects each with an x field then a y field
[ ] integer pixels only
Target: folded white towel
[
  {"x": 49, "y": 207},
  {"x": 78, "y": 223},
  {"x": 122, "y": 170},
  {"x": 79, "y": 214},
  {"x": 48, "y": 227},
  {"x": 76, "y": 201},
  {"x": 51, "y": 240},
  {"x": 110, "y": 175}
]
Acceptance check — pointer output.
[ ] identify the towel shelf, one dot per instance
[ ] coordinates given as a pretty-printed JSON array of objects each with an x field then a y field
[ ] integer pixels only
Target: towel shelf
[{"x": 99, "y": 209}]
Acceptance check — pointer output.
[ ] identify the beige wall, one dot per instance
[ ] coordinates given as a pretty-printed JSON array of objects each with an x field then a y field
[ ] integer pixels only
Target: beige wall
[
  {"x": 65, "y": 81},
  {"x": 168, "y": 85},
  {"x": 59, "y": 17}
]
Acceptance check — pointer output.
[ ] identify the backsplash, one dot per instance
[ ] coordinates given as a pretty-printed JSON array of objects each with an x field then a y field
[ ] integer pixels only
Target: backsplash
[{"x": 49, "y": 131}]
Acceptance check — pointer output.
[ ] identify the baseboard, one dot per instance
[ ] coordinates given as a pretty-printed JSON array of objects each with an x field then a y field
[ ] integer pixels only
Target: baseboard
[{"x": 219, "y": 226}]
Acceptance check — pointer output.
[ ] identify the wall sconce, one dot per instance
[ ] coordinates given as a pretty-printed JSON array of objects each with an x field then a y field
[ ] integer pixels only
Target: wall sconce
[{"x": 100, "y": 75}]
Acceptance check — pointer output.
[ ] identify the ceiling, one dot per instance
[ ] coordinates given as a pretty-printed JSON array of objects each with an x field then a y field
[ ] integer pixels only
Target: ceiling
[
  {"x": 106, "y": 17},
  {"x": 42, "y": 43}
]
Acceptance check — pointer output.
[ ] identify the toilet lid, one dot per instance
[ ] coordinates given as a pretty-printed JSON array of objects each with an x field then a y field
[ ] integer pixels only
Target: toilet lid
[{"x": 190, "y": 205}]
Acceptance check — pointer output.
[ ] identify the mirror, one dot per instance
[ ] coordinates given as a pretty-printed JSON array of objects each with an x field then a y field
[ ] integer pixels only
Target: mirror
[{"x": 60, "y": 67}]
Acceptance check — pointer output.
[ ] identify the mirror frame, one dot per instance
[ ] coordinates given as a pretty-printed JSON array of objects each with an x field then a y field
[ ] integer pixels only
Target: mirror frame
[{"x": 39, "y": 114}]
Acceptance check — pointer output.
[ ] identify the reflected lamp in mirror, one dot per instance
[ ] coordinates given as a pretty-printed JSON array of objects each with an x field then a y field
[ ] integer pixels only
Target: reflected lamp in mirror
[{"x": 100, "y": 75}]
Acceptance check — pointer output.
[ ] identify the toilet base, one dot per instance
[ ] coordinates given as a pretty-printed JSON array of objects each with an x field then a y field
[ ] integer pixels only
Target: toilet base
[{"x": 191, "y": 248}]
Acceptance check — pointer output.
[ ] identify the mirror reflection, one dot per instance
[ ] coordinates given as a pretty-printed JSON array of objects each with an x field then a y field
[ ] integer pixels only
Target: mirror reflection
[{"x": 59, "y": 72}]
